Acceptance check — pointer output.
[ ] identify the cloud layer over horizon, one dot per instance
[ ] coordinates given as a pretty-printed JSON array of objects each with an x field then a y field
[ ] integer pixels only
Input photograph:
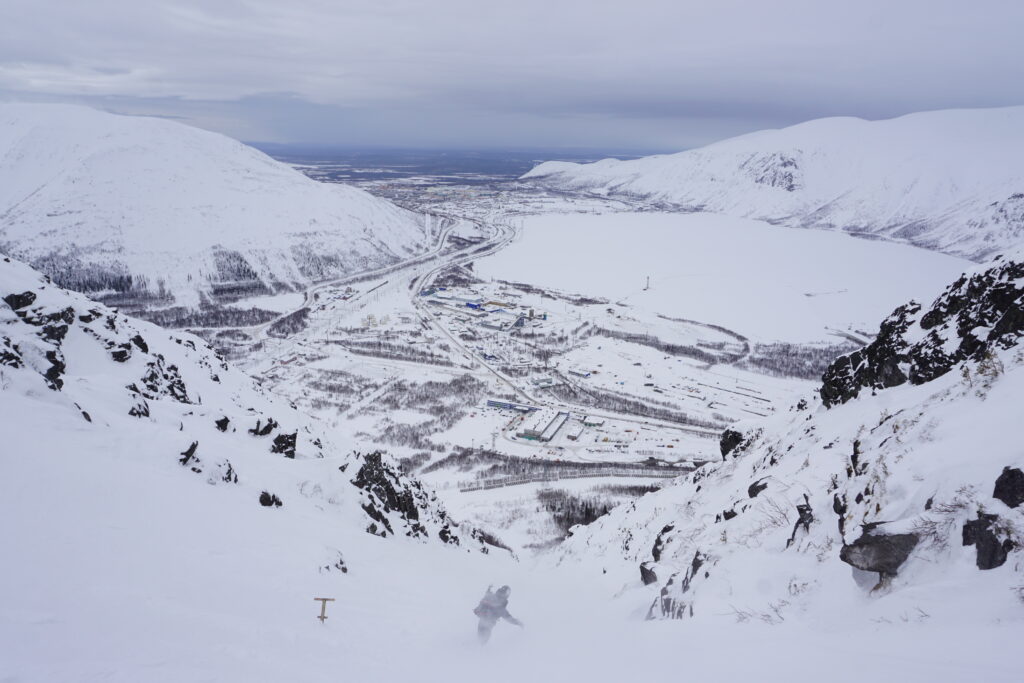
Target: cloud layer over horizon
[{"x": 651, "y": 74}]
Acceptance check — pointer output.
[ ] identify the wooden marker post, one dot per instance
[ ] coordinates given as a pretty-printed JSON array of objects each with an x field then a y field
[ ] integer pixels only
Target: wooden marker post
[{"x": 323, "y": 608}]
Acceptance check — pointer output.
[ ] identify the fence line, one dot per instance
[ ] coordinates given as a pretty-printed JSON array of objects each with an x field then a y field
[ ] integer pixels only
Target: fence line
[{"x": 658, "y": 473}]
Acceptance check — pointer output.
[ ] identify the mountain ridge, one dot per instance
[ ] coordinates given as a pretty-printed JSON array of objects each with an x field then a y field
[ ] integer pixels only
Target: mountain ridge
[
  {"x": 130, "y": 208},
  {"x": 949, "y": 180}
]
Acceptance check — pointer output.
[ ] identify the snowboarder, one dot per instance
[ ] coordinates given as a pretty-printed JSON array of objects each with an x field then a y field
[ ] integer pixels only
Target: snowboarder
[{"x": 493, "y": 606}]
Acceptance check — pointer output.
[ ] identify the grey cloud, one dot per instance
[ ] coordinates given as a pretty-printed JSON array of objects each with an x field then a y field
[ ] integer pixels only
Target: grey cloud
[{"x": 651, "y": 73}]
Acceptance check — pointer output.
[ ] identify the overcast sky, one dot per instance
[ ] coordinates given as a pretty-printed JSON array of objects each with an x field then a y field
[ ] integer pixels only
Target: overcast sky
[{"x": 631, "y": 74}]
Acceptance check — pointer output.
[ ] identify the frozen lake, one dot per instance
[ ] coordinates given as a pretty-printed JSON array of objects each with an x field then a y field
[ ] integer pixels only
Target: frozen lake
[{"x": 763, "y": 281}]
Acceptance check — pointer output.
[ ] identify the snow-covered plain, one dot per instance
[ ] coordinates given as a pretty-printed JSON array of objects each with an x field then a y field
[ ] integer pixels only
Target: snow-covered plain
[{"x": 763, "y": 281}]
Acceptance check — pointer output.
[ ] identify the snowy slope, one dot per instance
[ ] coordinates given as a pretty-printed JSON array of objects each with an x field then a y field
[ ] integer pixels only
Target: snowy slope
[
  {"x": 895, "y": 494},
  {"x": 150, "y": 206},
  {"x": 947, "y": 180},
  {"x": 121, "y": 563},
  {"x": 77, "y": 377}
]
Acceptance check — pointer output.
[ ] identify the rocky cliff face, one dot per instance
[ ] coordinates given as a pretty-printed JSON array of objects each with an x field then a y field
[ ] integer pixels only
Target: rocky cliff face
[
  {"x": 908, "y": 494},
  {"x": 106, "y": 381},
  {"x": 976, "y": 316}
]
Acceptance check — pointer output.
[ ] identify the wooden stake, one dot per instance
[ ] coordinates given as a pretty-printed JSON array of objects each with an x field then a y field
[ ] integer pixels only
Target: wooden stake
[{"x": 323, "y": 608}]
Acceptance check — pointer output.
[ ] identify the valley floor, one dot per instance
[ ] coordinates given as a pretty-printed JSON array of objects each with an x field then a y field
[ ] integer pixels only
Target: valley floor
[{"x": 543, "y": 300}]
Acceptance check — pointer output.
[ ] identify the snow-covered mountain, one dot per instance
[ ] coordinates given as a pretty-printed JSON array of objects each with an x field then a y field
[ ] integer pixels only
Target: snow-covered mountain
[
  {"x": 901, "y": 480},
  {"x": 126, "y": 207},
  {"x": 948, "y": 180},
  {"x": 80, "y": 381}
]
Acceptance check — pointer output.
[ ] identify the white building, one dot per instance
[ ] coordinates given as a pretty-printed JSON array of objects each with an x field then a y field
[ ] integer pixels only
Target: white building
[
  {"x": 543, "y": 425},
  {"x": 575, "y": 431}
]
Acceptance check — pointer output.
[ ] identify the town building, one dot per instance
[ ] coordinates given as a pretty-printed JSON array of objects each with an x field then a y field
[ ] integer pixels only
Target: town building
[{"x": 543, "y": 425}]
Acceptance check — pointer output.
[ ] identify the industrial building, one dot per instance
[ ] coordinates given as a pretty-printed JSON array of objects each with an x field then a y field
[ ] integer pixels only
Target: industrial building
[
  {"x": 591, "y": 421},
  {"x": 510, "y": 405},
  {"x": 575, "y": 431},
  {"x": 543, "y": 425}
]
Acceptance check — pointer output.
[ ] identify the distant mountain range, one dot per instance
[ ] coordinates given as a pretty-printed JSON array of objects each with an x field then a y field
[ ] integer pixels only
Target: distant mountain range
[
  {"x": 134, "y": 208},
  {"x": 946, "y": 180}
]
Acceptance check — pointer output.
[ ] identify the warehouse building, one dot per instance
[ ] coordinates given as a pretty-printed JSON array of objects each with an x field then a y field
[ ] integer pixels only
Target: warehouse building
[
  {"x": 509, "y": 405},
  {"x": 543, "y": 425},
  {"x": 575, "y": 431}
]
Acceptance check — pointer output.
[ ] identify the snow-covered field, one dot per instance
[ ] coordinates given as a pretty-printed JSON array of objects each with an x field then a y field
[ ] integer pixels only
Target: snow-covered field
[{"x": 765, "y": 282}]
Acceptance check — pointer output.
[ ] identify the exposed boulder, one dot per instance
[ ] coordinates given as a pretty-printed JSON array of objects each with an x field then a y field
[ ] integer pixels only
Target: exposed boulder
[
  {"x": 268, "y": 499},
  {"x": 1010, "y": 487},
  {"x": 992, "y": 552},
  {"x": 659, "y": 542},
  {"x": 22, "y": 300},
  {"x": 285, "y": 444},
  {"x": 878, "y": 552},
  {"x": 729, "y": 440}
]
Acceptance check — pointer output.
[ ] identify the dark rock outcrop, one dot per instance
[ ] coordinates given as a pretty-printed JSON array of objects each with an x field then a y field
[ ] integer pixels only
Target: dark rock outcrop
[
  {"x": 189, "y": 453},
  {"x": 268, "y": 499},
  {"x": 285, "y": 444},
  {"x": 385, "y": 489},
  {"x": 729, "y": 440},
  {"x": 10, "y": 354},
  {"x": 878, "y": 552},
  {"x": 647, "y": 575},
  {"x": 670, "y": 603},
  {"x": 140, "y": 408},
  {"x": 805, "y": 515},
  {"x": 989, "y": 304},
  {"x": 262, "y": 430},
  {"x": 1010, "y": 487},
  {"x": 16, "y": 301},
  {"x": 992, "y": 552},
  {"x": 659, "y": 542}
]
